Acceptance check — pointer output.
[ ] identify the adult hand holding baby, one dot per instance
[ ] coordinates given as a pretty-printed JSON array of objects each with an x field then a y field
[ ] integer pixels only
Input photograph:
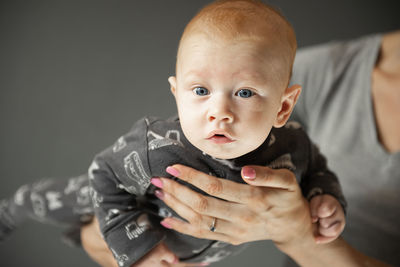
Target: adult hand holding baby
[{"x": 270, "y": 207}]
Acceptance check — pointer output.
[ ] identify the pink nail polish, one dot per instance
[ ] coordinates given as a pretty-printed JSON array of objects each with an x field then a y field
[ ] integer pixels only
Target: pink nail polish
[
  {"x": 159, "y": 194},
  {"x": 173, "y": 171},
  {"x": 157, "y": 182},
  {"x": 248, "y": 173},
  {"x": 165, "y": 224}
]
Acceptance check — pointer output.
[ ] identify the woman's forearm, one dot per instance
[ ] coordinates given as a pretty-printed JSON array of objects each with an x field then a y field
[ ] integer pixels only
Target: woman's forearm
[{"x": 336, "y": 253}]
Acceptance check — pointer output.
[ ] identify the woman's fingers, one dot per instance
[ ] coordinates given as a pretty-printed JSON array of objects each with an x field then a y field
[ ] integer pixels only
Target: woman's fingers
[
  {"x": 267, "y": 177},
  {"x": 203, "y": 222},
  {"x": 188, "y": 201},
  {"x": 214, "y": 186},
  {"x": 264, "y": 177},
  {"x": 199, "y": 232}
]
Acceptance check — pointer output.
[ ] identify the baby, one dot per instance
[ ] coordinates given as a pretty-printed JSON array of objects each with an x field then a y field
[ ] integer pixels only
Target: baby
[{"x": 231, "y": 88}]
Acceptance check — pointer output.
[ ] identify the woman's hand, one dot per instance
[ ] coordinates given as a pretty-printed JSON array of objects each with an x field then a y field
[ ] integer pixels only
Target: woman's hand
[{"x": 270, "y": 206}]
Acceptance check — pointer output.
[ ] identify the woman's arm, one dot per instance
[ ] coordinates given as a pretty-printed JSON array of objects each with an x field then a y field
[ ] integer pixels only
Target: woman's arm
[
  {"x": 336, "y": 253},
  {"x": 270, "y": 207}
]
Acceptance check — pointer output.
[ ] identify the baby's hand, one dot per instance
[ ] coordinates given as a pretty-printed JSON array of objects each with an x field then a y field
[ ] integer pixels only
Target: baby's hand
[{"x": 327, "y": 212}]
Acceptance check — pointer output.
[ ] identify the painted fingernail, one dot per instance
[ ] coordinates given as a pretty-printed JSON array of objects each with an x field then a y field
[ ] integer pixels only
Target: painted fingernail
[
  {"x": 248, "y": 173},
  {"x": 165, "y": 224},
  {"x": 159, "y": 194},
  {"x": 173, "y": 171},
  {"x": 157, "y": 182},
  {"x": 204, "y": 264}
]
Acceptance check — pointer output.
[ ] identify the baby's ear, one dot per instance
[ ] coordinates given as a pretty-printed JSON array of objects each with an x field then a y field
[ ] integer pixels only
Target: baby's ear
[
  {"x": 172, "y": 84},
  {"x": 288, "y": 100}
]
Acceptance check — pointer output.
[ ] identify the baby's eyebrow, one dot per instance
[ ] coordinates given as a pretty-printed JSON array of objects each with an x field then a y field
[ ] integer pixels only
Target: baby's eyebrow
[{"x": 194, "y": 74}]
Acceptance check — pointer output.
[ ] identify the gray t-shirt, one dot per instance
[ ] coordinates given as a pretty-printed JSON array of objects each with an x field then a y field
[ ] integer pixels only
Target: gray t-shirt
[{"x": 336, "y": 109}]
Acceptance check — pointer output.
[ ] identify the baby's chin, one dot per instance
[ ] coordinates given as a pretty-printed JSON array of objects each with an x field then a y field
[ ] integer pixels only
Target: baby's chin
[{"x": 225, "y": 154}]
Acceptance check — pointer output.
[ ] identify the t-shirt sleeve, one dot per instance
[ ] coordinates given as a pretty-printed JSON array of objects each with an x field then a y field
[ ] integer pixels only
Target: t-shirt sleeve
[{"x": 118, "y": 178}]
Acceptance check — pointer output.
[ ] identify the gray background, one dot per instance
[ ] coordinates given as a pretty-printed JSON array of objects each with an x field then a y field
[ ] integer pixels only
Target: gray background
[{"x": 74, "y": 75}]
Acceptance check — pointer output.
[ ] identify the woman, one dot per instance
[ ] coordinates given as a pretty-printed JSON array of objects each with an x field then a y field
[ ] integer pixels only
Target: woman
[{"x": 349, "y": 106}]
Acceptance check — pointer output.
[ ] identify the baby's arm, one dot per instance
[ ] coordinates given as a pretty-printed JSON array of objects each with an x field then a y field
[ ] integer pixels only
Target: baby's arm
[
  {"x": 128, "y": 229},
  {"x": 327, "y": 203},
  {"x": 97, "y": 249},
  {"x": 327, "y": 212}
]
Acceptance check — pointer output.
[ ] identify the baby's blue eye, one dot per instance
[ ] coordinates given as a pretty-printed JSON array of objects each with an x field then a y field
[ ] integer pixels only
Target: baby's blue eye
[
  {"x": 245, "y": 93},
  {"x": 201, "y": 91}
]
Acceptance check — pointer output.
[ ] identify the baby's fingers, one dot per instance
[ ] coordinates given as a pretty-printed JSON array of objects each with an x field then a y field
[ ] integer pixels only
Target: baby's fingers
[
  {"x": 334, "y": 229},
  {"x": 330, "y": 228},
  {"x": 315, "y": 203},
  {"x": 329, "y": 234}
]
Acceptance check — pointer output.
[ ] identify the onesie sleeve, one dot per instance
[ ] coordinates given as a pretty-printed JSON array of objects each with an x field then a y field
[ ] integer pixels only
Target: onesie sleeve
[
  {"x": 119, "y": 178},
  {"x": 319, "y": 179}
]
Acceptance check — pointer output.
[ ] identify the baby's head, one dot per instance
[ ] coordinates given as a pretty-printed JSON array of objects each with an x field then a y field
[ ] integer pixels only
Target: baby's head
[{"x": 233, "y": 68}]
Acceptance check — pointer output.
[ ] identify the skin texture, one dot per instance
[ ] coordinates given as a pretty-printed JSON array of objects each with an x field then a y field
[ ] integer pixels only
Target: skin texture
[
  {"x": 386, "y": 93},
  {"x": 216, "y": 67}
]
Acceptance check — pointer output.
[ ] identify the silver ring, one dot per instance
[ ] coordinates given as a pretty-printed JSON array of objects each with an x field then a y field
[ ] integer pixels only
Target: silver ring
[{"x": 213, "y": 225}]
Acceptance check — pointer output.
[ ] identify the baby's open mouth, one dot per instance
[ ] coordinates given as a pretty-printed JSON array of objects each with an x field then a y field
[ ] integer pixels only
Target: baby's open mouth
[{"x": 219, "y": 138}]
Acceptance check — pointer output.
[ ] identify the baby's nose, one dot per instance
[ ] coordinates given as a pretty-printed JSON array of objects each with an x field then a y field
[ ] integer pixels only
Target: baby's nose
[{"x": 221, "y": 111}]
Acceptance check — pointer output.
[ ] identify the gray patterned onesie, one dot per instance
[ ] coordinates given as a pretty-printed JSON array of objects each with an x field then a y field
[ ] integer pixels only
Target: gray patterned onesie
[{"x": 124, "y": 200}]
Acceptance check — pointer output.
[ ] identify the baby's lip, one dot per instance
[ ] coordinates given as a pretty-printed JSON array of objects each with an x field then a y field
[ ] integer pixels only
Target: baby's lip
[{"x": 220, "y": 136}]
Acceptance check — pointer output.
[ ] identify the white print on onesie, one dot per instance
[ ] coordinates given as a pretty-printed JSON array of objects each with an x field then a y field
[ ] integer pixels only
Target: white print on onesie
[
  {"x": 74, "y": 184},
  {"x": 38, "y": 205},
  {"x": 121, "y": 259},
  {"x": 284, "y": 161},
  {"x": 83, "y": 196},
  {"x": 197, "y": 251},
  {"x": 293, "y": 125},
  {"x": 53, "y": 199},
  {"x": 94, "y": 166},
  {"x": 119, "y": 145},
  {"x": 272, "y": 140},
  {"x": 96, "y": 198},
  {"x": 219, "y": 244},
  {"x": 19, "y": 198},
  {"x": 135, "y": 228},
  {"x": 218, "y": 256},
  {"x": 172, "y": 137},
  {"x": 135, "y": 170},
  {"x": 111, "y": 214},
  {"x": 130, "y": 189}
]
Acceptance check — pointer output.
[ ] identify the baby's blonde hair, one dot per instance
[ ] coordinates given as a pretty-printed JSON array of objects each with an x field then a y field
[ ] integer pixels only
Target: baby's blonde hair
[{"x": 245, "y": 19}]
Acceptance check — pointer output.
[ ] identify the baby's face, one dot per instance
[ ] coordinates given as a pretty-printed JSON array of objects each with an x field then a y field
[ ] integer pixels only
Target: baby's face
[{"x": 226, "y": 94}]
